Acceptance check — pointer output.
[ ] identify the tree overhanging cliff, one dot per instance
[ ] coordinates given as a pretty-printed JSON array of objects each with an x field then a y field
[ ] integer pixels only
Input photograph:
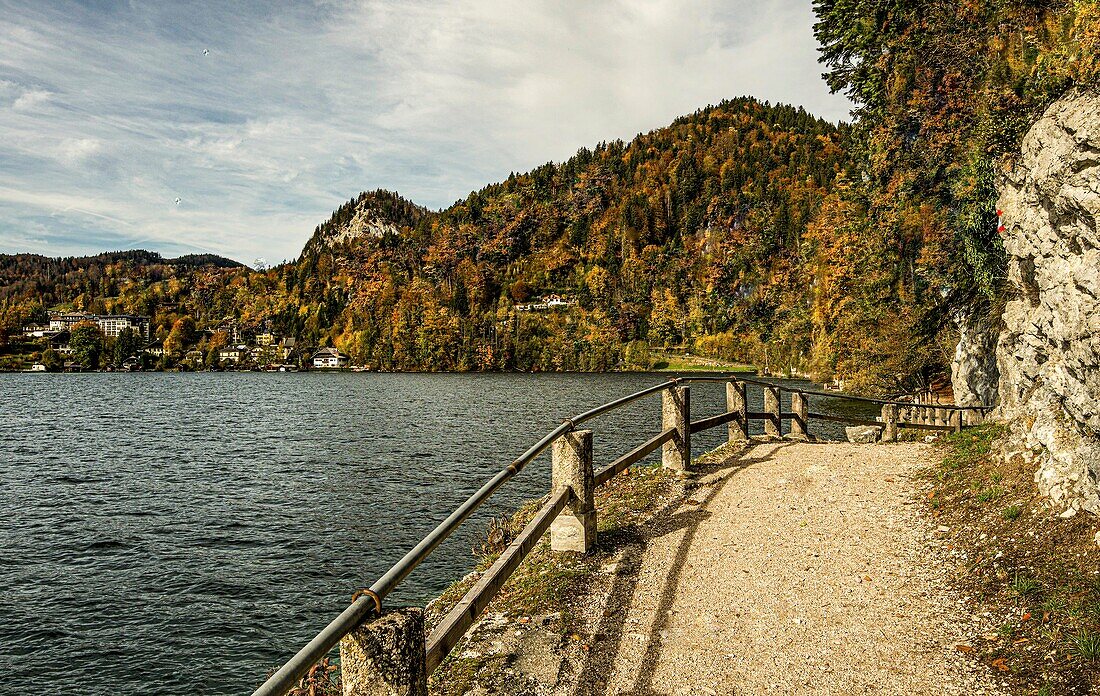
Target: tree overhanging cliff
[
  {"x": 945, "y": 92},
  {"x": 978, "y": 131}
]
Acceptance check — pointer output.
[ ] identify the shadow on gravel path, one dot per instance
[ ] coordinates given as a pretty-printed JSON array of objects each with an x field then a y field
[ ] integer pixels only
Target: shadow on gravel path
[{"x": 679, "y": 515}]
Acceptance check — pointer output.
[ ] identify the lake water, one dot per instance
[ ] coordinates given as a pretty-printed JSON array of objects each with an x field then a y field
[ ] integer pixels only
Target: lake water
[{"x": 185, "y": 533}]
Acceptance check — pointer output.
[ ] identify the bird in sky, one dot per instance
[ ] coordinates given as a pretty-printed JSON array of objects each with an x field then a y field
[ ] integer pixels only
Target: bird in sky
[
  {"x": 206, "y": 51},
  {"x": 178, "y": 200}
]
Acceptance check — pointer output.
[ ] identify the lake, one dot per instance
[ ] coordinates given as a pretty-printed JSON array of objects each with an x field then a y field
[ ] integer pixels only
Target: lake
[{"x": 185, "y": 533}]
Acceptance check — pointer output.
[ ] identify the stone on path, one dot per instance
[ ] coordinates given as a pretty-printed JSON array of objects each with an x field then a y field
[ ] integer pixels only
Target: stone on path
[{"x": 863, "y": 434}]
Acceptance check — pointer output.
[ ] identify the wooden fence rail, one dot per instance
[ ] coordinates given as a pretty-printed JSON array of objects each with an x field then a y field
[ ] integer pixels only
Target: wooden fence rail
[{"x": 387, "y": 652}]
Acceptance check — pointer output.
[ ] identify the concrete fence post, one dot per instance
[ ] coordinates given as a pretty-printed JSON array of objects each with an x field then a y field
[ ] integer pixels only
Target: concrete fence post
[
  {"x": 941, "y": 416},
  {"x": 890, "y": 422},
  {"x": 772, "y": 425},
  {"x": 736, "y": 403},
  {"x": 385, "y": 657},
  {"x": 676, "y": 413},
  {"x": 957, "y": 417},
  {"x": 574, "y": 529},
  {"x": 800, "y": 409}
]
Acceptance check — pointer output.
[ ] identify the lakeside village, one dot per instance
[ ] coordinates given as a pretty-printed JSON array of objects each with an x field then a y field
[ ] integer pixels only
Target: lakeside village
[{"x": 80, "y": 342}]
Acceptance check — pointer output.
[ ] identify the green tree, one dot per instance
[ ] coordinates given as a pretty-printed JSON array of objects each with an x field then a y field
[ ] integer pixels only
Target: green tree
[
  {"x": 86, "y": 340},
  {"x": 52, "y": 360},
  {"x": 128, "y": 343}
]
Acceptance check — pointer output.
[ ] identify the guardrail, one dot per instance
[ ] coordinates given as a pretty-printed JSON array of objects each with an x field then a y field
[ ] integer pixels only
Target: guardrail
[{"x": 388, "y": 651}]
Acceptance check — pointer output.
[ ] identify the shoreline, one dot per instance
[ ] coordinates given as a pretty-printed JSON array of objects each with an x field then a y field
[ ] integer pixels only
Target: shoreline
[{"x": 672, "y": 369}]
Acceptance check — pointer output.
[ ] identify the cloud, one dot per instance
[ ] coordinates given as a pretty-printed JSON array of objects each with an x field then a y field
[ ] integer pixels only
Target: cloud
[
  {"x": 76, "y": 152},
  {"x": 19, "y": 97},
  {"x": 115, "y": 111},
  {"x": 525, "y": 82},
  {"x": 31, "y": 99}
]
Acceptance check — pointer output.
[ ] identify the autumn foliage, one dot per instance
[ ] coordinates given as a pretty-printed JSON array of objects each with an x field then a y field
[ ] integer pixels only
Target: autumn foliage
[
  {"x": 944, "y": 93},
  {"x": 746, "y": 231}
]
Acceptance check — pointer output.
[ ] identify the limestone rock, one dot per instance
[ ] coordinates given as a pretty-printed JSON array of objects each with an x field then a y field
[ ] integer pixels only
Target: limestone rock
[
  {"x": 863, "y": 434},
  {"x": 974, "y": 373},
  {"x": 1049, "y": 350},
  {"x": 537, "y": 656}
]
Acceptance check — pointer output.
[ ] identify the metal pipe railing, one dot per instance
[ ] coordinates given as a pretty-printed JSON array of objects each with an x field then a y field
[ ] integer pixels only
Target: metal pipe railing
[
  {"x": 454, "y": 625},
  {"x": 611, "y": 405},
  {"x": 831, "y": 395},
  {"x": 290, "y": 673}
]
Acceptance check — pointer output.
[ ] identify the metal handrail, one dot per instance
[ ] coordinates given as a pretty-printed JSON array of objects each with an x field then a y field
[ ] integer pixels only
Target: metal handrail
[
  {"x": 371, "y": 600},
  {"x": 454, "y": 625},
  {"x": 832, "y": 395}
]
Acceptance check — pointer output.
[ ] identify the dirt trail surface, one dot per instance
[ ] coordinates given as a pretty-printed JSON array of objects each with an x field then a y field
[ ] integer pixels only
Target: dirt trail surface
[{"x": 793, "y": 569}]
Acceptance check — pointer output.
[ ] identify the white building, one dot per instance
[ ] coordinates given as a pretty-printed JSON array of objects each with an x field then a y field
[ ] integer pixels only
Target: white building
[
  {"x": 233, "y": 354},
  {"x": 66, "y": 320},
  {"x": 545, "y": 303},
  {"x": 111, "y": 324},
  {"x": 114, "y": 324},
  {"x": 329, "y": 358}
]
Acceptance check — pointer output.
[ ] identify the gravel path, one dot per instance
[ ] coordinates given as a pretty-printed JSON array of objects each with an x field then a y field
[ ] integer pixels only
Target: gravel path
[{"x": 795, "y": 569}]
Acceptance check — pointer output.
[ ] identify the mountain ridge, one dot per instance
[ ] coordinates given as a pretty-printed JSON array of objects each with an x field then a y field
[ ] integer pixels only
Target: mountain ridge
[
  {"x": 568, "y": 228},
  {"x": 690, "y": 234}
]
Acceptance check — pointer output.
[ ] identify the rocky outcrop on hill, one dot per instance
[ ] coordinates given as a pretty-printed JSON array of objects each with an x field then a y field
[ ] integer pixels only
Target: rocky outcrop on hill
[
  {"x": 1049, "y": 350},
  {"x": 371, "y": 215}
]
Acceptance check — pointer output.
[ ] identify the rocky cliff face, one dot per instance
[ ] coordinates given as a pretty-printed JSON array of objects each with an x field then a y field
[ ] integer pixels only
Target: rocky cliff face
[
  {"x": 371, "y": 215},
  {"x": 366, "y": 222},
  {"x": 1049, "y": 350},
  {"x": 974, "y": 374}
]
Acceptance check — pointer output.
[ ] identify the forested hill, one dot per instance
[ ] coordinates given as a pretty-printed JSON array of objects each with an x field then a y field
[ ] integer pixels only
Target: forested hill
[
  {"x": 31, "y": 281},
  {"x": 689, "y": 235},
  {"x": 372, "y": 214},
  {"x": 692, "y": 235}
]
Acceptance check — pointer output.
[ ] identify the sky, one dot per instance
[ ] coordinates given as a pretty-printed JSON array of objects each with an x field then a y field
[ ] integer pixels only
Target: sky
[{"x": 262, "y": 118}]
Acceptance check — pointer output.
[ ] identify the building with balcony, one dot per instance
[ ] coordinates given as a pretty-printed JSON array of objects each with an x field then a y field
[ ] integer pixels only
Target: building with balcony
[{"x": 329, "y": 358}]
